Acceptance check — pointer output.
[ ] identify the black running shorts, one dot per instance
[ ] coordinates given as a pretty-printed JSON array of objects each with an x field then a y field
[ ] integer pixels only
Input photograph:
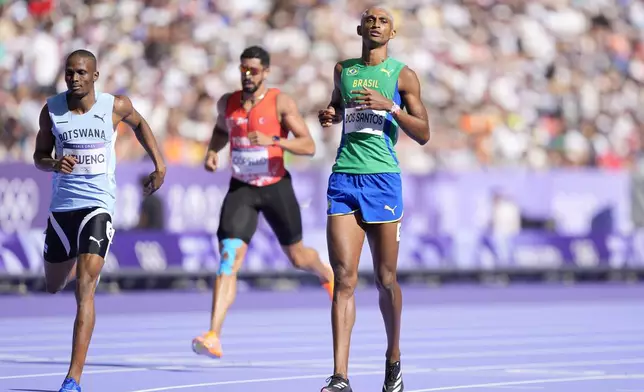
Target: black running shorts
[
  {"x": 71, "y": 233},
  {"x": 243, "y": 203}
]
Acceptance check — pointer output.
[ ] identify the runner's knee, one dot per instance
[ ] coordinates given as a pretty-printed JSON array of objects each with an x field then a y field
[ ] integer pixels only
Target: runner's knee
[
  {"x": 346, "y": 279},
  {"x": 54, "y": 285},
  {"x": 53, "y": 288},
  {"x": 231, "y": 253},
  {"x": 385, "y": 277},
  {"x": 57, "y": 275}
]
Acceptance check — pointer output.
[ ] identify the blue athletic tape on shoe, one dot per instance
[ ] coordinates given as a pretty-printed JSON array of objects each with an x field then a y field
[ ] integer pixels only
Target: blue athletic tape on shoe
[{"x": 229, "y": 248}]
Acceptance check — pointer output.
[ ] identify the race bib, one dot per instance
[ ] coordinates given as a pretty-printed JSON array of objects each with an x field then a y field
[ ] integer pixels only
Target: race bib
[
  {"x": 364, "y": 121},
  {"x": 250, "y": 161},
  {"x": 90, "y": 158}
]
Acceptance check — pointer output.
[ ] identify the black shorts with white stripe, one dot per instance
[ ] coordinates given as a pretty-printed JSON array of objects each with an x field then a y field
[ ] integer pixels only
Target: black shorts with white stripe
[{"x": 72, "y": 233}]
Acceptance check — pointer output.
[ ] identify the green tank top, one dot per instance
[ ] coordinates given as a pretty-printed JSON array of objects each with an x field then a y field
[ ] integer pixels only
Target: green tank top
[{"x": 368, "y": 136}]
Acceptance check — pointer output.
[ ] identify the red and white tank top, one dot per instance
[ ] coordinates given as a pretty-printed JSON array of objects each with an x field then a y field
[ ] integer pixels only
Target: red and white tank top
[{"x": 255, "y": 165}]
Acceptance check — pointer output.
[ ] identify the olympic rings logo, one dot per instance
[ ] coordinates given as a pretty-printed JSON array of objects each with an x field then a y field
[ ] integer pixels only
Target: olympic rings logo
[{"x": 19, "y": 202}]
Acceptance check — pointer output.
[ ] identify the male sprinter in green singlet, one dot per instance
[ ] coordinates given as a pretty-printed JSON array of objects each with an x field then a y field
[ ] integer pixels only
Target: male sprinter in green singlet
[{"x": 365, "y": 188}]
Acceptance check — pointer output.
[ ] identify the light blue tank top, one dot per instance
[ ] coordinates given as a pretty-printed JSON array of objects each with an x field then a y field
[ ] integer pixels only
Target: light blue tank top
[{"x": 90, "y": 138}]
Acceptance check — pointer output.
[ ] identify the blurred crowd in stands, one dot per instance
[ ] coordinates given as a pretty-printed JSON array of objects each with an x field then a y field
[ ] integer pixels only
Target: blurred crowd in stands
[{"x": 508, "y": 83}]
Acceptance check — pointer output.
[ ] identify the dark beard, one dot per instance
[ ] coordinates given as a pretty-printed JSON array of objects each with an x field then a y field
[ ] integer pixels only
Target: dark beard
[{"x": 250, "y": 90}]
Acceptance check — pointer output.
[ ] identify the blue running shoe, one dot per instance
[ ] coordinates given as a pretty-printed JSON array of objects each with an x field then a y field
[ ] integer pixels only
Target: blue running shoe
[{"x": 70, "y": 385}]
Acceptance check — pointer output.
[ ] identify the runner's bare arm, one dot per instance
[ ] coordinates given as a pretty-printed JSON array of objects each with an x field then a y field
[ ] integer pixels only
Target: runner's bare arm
[
  {"x": 292, "y": 120},
  {"x": 124, "y": 111},
  {"x": 336, "y": 96},
  {"x": 335, "y": 109},
  {"x": 45, "y": 143},
  {"x": 414, "y": 121},
  {"x": 219, "y": 137}
]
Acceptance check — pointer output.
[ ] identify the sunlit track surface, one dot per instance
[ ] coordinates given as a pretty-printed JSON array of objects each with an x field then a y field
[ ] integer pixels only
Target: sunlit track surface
[{"x": 588, "y": 338}]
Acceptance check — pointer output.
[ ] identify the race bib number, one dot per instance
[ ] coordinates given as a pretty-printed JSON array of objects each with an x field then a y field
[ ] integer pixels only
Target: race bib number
[
  {"x": 364, "y": 121},
  {"x": 90, "y": 158},
  {"x": 250, "y": 161}
]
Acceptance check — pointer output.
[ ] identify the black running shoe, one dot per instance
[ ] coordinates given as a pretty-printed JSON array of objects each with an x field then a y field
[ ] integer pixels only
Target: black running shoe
[
  {"x": 337, "y": 384},
  {"x": 393, "y": 378}
]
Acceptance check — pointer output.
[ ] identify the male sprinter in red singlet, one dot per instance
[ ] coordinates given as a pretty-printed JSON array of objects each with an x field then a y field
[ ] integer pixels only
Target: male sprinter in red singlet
[
  {"x": 257, "y": 121},
  {"x": 375, "y": 96}
]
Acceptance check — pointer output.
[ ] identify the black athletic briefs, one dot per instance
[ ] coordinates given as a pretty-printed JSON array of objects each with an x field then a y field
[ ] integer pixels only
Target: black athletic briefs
[
  {"x": 243, "y": 203},
  {"x": 71, "y": 233}
]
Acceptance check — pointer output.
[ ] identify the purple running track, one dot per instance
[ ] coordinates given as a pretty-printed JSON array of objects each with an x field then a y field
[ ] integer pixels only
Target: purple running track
[{"x": 534, "y": 337}]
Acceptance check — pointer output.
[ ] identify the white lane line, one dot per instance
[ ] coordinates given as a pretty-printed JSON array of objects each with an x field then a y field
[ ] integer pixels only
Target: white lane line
[
  {"x": 527, "y": 382},
  {"x": 130, "y": 370},
  {"x": 470, "y": 386},
  {"x": 408, "y": 369}
]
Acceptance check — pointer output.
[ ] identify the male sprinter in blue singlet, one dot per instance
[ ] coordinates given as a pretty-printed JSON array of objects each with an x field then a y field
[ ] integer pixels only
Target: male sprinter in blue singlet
[{"x": 79, "y": 125}]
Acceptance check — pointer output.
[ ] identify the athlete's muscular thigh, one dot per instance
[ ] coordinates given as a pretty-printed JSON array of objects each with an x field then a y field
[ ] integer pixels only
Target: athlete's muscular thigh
[
  {"x": 58, "y": 274},
  {"x": 384, "y": 244},
  {"x": 281, "y": 210},
  {"x": 58, "y": 259},
  {"x": 237, "y": 225},
  {"x": 239, "y": 215},
  {"x": 71, "y": 235},
  {"x": 345, "y": 238},
  {"x": 96, "y": 235},
  {"x": 94, "y": 240}
]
